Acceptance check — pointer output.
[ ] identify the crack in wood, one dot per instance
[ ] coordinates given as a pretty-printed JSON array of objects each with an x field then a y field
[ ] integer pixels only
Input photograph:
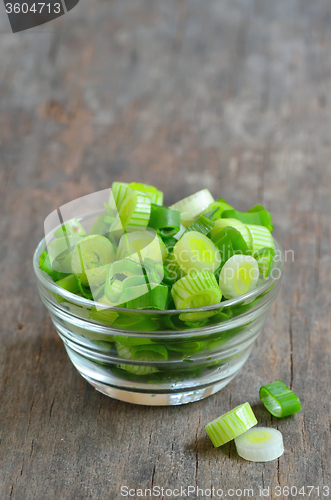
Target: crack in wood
[
  {"x": 51, "y": 407},
  {"x": 31, "y": 450},
  {"x": 153, "y": 474}
]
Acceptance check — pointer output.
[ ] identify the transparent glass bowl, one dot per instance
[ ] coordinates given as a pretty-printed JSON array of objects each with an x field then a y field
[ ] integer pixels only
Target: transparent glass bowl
[{"x": 199, "y": 350}]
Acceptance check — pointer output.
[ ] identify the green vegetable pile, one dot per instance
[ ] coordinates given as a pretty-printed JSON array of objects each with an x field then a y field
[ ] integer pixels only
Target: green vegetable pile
[{"x": 141, "y": 255}]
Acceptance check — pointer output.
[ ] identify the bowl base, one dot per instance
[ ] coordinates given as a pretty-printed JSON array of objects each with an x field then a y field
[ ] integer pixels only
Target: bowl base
[{"x": 158, "y": 399}]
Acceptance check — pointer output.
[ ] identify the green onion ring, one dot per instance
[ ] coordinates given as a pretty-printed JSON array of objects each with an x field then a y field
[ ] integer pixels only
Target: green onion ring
[
  {"x": 279, "y": 400},
  {"x": 231, "y": 425}
]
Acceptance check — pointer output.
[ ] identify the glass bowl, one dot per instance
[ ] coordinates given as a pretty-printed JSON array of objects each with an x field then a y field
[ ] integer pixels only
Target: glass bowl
[{"x": 153, "y": 357}]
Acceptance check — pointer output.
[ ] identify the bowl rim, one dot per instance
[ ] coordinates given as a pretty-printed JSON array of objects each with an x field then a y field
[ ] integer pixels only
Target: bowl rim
[{"x": 52, "y": 287}]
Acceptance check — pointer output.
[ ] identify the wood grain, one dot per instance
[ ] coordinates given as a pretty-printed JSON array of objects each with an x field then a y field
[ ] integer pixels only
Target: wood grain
[{"x": 231, "y": 95}]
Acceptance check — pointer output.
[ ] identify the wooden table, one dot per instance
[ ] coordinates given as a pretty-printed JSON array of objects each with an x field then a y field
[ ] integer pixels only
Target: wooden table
[{"x": 232, "y": 95}]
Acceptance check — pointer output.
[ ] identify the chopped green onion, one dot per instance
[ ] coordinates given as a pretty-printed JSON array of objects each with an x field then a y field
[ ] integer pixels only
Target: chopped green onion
[
  {"x": 106, "y": 315},
  {"x": 90, "y": 259},
  {"x": 218, "y": 207},
  {"x": 264, "y": 258},
  {"x": 45, "y": 265},
  {"x": 260, "y": 444},
  {"x": 261, "y": 237},
  {"x": 198, "y": 289},
  {"x": 138, "y": 370},
  {"x": 138, "y": 280},
  {"x": 135, "y": 321},
  {"x": 172, "y": 268},
  {"x": 59, "y": 248},
  {"x": 260, "y": 208},
  {"x": 132, "y": 341},
  {"x": 197, "y": 317},
  {"x": 259, "y": 217},
  {"x": 119, "y": 191},
  {"x": 145, "y": 242},
  {"x": 193, "y": 206},
  {"x": 145, "y": 352},
  {"x": 239, "y": 275},
  {"x": 169, "y": 242},
  {"x": 196, "y": 252},
  {"x": 202, "y": 225},
  {"x": 71, "y": 228},
  {"x": 102, "y": 224},
  {"x": 279, "y": 400},
  {"x": 60, "y": 252},
  {"x": 180, "y": 233},
  {"x": 134, "y": 286},
  {"x": 230, "y": 242},
  {"x": 84, "y": 289},
  {"x": 135, "y": 211},
  {"x": 187, "y": 347},
  {"x": 223, "y": 223},
  {"x": 154, "y": 194},
  {"x": 69, "y": 283},
  {"x": 231, "y": 425},
  {"x": 165, "y": 220},
  {"x": 154, "y": 299}
]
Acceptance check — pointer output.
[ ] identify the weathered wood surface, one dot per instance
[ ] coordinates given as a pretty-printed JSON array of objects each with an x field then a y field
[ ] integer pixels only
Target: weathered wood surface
[{"x": 233, "y": 95}]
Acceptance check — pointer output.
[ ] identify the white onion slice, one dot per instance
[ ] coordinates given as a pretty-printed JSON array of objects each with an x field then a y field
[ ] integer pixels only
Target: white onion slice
[
  {"x": 239, "y": 275},
  {"x": 260, "y": 444},
  {"x": 193, "y": 206}
]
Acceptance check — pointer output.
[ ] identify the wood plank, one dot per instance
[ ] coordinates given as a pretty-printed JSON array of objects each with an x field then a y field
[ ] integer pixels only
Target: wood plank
[{"x": 231, "y": 95}]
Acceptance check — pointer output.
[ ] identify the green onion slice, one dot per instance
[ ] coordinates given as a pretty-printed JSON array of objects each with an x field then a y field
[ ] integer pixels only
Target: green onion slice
[
  {"x": 90, "y": 259},
  {"x": 128, "y": 279},
  {"x": 119, "y": 191},
  {"x": 70, "y": 228},
  {"x": 145, "y": 352},
  {"x": 260, "y": 444},
  {"x": 187, "y": 347},
  {"x": 237, "y": 224},
  {"x": 218, "y": 207},
  {"x": 69, "y": 283},
  {"x": 260, "y": 208},
  {"x": 143, "y": 244},
  {"x": 84, "y": 289},
  {"x": 138, "y": 370},
  {"x": 154, "y": 194},
  {"x": 154, "y": 299},
  {"x": 279, "y": 400},
  {"x": 46, "y": 266},
  {"x": 198, "y": 289},
  {"x": 169, "y": 242},
  {"x": 164, "y": 219},
  {"x": 103, "y": 315},
  {"x": 264, "y": 258},
  {"x": 60, "y": 252},
  {"x": 261, "y": 237},
  {"x": 172, "y": 269},
  {"x": 239, "y": 275},
  {"x": 196, "y": 318},
  {"x": 202, "y": 225},
  {"x": 135, "y": 211},
  {"x": 102, "y": 224},
  {"x": 256, "y": 215},
  {"x": 193, "y": 206},
  {"x": 231, "y": 425},
  {"x": 196, "y": 252},
  {"x": 230, "y": 242}
]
